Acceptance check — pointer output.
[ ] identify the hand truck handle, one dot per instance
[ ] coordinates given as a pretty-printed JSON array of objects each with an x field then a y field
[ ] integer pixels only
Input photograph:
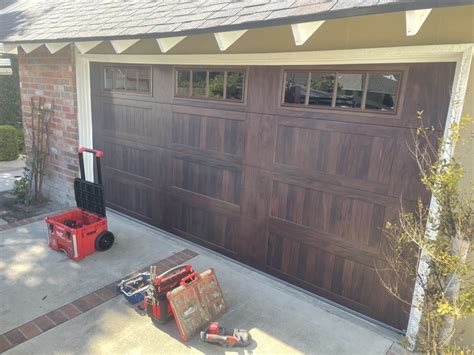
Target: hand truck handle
[{"x": 98, "y": 154}]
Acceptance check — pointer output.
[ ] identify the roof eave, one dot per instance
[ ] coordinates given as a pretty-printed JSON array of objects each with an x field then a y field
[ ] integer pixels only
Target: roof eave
[{"x": 324, "y": 15}]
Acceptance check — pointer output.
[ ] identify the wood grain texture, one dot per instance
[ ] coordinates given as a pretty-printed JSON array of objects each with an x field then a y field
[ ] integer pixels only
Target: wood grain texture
[{"x": 300, "y": 194}]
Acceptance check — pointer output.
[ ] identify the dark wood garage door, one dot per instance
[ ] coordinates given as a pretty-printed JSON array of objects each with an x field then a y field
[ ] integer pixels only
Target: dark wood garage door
[{"x": 296, "y": 190}]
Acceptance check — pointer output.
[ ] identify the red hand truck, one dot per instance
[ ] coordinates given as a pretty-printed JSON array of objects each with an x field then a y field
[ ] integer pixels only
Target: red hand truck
[{"x": 83, "y": 230}]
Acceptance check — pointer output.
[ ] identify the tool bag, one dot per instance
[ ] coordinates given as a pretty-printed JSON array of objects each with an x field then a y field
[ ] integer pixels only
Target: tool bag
[
  {"x": 155, "y": 302},
  {"x": 135, "y": 287}
]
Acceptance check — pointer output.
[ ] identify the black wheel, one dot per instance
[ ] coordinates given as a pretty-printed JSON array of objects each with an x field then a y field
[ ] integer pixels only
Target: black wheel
[{"x": 104, "y": 241}]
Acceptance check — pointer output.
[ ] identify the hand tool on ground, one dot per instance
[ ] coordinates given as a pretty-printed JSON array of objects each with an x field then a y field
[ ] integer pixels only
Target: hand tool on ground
[{"x": 230, "y": 338}]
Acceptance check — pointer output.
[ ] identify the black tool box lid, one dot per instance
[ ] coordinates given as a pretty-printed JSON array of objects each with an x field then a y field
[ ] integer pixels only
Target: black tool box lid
[{"x": 89, "y": 196}]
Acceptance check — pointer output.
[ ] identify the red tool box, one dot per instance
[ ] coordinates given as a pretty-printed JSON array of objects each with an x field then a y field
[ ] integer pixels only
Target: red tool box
[
  {"x": 83, "y": 230},
  {"x": 197, "y": 301},
  {"x": 155, "y": 302}
]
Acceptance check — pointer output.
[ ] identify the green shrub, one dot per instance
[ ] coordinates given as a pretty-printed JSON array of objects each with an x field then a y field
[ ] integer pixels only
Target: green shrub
[
  {"x": 10, "y": 107},
  {"x": 8, "y": 143},
  {"x": 20, "y": 189},
  {"x": 20, "y": 138}
]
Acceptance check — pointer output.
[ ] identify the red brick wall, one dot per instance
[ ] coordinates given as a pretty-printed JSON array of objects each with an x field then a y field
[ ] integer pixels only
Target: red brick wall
[{"x": 53, "y": 76}]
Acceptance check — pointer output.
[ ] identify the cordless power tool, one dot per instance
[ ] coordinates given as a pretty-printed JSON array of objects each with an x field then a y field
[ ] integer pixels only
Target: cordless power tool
[{"x": 230, "y": 338}]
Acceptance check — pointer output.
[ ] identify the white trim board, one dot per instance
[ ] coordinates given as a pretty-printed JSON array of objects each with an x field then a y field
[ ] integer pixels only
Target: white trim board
[
  {"x": 84, "y": 111},
  {"x": 461, "y": 54},
  {"x": 414, "y": 54}
]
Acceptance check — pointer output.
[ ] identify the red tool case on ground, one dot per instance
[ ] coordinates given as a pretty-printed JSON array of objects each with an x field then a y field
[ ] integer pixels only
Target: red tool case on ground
[
  {"x": 82, "y": 231},
  {"x": 155, "y": 302},
  {"x": 196, "y": 302}
]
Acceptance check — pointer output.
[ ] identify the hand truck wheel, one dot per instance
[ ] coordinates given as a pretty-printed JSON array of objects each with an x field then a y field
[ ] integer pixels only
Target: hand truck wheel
[{"x": 104, "y": 241}]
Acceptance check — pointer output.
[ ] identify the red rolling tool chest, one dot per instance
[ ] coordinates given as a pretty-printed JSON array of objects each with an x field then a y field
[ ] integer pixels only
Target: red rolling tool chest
[{"x": 83, "y": 230}]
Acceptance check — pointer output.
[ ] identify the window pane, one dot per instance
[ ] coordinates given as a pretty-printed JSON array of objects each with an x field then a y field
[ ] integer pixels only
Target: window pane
[
  {"x": 382, "y": 91},
  {"x": 109, "y": 77},
  {"x": 182, "y": 85},
  {"x": 235, "y": 85},
  {"x": 119, "y": 79},
  {"x": 349, "y": 90},
  {"x": 199, "y": 83},
  {"x": 295, "y": 87},
  {"x": 216, "y": 85},
  {"x": 321, "y": 89},
  {"x": 131, "y": 82},
  {"x": 144, "y": 80}
]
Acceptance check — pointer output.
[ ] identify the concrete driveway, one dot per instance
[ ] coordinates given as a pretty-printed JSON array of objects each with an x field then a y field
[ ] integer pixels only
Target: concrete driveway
[
  {"x": 35, "y": 281},
  {"x": 10, "y": 171}
]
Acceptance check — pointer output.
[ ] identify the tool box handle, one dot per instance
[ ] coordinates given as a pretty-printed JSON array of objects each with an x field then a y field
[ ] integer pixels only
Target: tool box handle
[
  {"x": 97, "y": 154},
  {"x": 190, "y": 278},
  {"x": 160, "y": 277}
]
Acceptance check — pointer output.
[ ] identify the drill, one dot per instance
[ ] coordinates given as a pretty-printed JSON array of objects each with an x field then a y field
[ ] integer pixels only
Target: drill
[{"x": 219, "y": 335}]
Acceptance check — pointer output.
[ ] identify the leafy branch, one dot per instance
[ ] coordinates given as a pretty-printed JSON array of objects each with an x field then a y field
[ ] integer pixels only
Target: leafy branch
[{"x": 443, "y": 239}]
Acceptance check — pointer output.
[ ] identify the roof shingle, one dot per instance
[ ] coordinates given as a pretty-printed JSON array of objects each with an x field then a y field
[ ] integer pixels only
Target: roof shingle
[{"x": 59, "y": 20}]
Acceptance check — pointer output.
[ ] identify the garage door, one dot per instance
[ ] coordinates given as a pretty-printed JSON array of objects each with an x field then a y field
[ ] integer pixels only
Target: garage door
[{"x": 292, "y": 170}]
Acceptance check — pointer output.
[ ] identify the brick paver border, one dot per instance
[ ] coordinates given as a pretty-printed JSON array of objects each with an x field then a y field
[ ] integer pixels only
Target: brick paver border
[
  {"x": 81, "y": 305},
  {"x": 21, "y": 222}
]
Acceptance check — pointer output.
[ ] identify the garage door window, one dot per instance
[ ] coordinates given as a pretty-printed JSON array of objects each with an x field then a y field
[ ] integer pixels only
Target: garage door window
[
  {"x": 214, "y": 84},
  {"x": 357, "y": 91},
  {"x": 382, "y": 91},
  {"x": 349, "y": 90},
  {"x": 128, "y": 79}
]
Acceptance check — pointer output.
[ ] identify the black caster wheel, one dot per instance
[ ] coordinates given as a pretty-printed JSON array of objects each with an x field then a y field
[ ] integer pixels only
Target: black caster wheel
[{"x": 104, "y": 241}]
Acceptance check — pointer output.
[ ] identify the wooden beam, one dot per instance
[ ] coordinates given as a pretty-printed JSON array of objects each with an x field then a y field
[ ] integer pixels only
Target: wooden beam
[
  {"x": 122, "y": 45},
  {"x": 415, "y": 19},
  {"x": 30, "y": 47},
  {"x": 56, "y": 47},
  {"x": 85, "y": 47},
  {"x": 302, "y": 31},
  {"x": 226, "y": 39},
  {"x": 167, "y": 43}
]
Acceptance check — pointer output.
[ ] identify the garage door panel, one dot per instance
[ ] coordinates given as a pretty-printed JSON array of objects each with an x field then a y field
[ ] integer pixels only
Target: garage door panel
[
  {"x": 203, "y": 225},
  {"x": 336, "y": 277},
  {"x": 350, "y": 220},
  {"x": 296, "y": 177},
  {"x": 406, "y": 176},
  {"x": 327, "y": 274},
  {"x": 213, "y": 180},
  {"x": 323, "y": 241},
  {"x": 256, "y": 193},
  {"x": 131, "y": 160},
  {"x": 129, "y": 197},
  {"x": 359, "y": 157},
  {"x": 430, "y": 96},
  {"x": 128, "y": 122},
  {"x": 221, "y": 135},
  {"x": 260, "y": 133}
]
